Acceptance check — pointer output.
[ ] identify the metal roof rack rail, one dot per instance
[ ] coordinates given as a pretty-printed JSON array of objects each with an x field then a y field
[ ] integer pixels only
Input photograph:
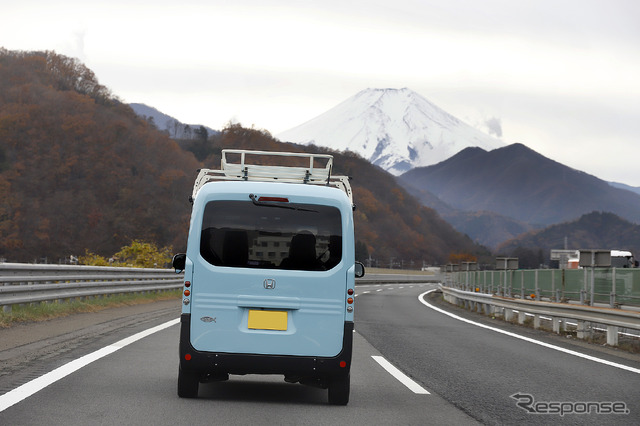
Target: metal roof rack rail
[{"x": 244, "y": 170}]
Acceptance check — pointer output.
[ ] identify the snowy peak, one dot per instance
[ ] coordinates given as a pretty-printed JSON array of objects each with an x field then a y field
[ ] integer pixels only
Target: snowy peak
[{"x": 396, "y": 129}]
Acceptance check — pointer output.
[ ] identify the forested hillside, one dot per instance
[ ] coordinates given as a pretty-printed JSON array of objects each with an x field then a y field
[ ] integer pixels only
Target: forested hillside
[
  {"x": 389, "y": 222},
  {"x": 595, "y": 230},
  {"x": 519, "y": 183},
  {"x": 80, "y": 171}
]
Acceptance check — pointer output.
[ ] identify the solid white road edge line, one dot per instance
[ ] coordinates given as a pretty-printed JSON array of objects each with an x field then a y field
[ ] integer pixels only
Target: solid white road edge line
[
  {"x": 400, "y": 376},
  {"x": 528, "y": 339},
  {"x": 24, "y": 391}
]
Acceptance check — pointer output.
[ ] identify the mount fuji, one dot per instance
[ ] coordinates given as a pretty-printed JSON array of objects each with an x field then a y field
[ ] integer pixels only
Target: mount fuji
[{"x": 395, "y": 129}]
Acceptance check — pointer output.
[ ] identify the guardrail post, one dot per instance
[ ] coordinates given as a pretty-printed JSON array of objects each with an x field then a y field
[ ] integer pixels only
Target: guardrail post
[
  {"x": 498, "y": 311},
  {"x": 521, "y": 317},
  {"x": 508, "y": 314},
  {"x": 555, "y": 324},
  {"x": 612, "y": 335},
  {"x": 6, "y": 309},
  {"x": 584, "y": 329},
  {"x": 536, "y": 321}
]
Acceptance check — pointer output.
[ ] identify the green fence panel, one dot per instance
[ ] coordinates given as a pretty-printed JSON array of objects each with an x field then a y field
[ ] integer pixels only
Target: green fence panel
[
  {"x": 574, "y": 283},
  {"x": 627, "y": 286},
  {"x": 603, "y": 285},
  {"x": 546, "y": 283},
  {"x": 555, "y": 284}
]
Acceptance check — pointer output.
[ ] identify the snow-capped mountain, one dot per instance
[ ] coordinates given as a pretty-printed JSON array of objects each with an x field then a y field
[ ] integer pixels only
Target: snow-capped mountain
[{"x": 396, "y": 129}]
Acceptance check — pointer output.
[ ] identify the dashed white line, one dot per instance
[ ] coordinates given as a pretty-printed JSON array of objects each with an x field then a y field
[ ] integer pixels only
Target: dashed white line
[{"x": 400, "y": 376}]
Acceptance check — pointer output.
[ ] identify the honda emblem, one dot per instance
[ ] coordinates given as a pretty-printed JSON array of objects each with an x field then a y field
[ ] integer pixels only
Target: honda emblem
[{"x": 269, "y": 283}]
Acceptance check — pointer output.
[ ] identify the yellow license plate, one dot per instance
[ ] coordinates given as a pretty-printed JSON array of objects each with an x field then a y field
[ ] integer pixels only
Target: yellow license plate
[{"x": 267, "y": 320}]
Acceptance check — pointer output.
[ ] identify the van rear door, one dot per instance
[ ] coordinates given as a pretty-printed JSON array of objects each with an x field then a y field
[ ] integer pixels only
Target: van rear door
[{"x": 270, "y": 277}]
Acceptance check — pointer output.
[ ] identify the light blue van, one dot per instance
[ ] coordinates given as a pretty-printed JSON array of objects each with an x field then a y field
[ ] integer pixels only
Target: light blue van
[{"x": 269, "y": 274}]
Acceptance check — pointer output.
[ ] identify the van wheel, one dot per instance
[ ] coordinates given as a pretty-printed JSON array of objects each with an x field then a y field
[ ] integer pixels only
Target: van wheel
[
  {"x": 339, "y": 390},
  {"x": 187, "y": 384}
]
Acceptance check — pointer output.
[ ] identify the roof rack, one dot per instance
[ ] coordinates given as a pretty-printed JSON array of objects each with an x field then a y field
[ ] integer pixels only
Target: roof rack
[{"x": 244, "y": 170}]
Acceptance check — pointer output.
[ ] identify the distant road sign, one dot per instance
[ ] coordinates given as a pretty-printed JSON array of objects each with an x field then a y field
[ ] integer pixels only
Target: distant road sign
[{"x": 557, "y": 254}]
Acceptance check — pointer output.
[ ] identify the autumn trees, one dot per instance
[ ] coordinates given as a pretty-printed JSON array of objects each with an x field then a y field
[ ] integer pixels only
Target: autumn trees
[{"x": 80, "y": 169}]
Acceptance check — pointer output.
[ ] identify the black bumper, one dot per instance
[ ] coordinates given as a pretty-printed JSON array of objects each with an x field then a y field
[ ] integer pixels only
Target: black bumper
[{"x": 215, "y": 363}]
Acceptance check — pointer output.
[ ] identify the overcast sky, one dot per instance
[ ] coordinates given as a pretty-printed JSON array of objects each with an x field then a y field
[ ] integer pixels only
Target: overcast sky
[{"x": 560, "y": 76}]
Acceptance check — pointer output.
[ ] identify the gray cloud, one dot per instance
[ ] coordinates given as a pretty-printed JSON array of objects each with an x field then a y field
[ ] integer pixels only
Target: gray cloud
[{"x": 494, "y": 126}]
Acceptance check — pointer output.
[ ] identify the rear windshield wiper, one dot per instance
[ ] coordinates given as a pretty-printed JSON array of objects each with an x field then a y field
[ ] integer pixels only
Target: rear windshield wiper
[{"x": 280, "y": 203}]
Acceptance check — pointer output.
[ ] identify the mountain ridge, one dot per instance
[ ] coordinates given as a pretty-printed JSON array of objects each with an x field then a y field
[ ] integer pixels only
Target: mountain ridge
[
  {"x": 166, "y": 123},
  {"x": 592, "y": 230},
  {"x": 517, "y": 182}
]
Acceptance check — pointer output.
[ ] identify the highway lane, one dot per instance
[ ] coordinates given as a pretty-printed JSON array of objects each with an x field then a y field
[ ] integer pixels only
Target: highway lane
[
  {"x": 137, "y": 385},
  {"x": 470, "y": 374},
  {"x": 478, "y": 369}
]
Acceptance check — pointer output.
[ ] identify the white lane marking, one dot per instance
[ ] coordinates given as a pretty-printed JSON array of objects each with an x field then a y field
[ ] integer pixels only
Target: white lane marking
[
  {"x": 528, "y": 339},
  {"x": 400, "y": 376},
  {"x": 24, "y": 391}
]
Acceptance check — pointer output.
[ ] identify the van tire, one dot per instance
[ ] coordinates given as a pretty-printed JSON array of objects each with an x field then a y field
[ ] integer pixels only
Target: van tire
[
  {"x": 187, "y": 384},
  {"x": 339, "y": 387}
]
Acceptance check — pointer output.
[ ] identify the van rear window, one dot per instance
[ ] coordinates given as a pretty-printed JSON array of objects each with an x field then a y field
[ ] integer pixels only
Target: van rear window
[{"x": 275, "y": 235}]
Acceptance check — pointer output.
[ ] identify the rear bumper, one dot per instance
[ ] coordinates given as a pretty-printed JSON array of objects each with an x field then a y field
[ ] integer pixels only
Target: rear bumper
[{"x": 215, "y": 363}]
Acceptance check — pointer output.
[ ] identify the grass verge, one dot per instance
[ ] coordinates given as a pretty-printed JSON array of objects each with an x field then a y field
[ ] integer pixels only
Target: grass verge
[{"x": 46, "y": 311}]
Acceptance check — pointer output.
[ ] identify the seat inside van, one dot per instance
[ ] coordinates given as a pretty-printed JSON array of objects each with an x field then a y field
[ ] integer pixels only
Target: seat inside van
[{"x": 302, "y": 253}]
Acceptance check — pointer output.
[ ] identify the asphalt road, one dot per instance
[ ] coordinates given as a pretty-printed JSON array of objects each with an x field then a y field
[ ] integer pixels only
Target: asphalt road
[
  {"x": 478, "y": 369},
  {"x": 469, "y": 372}
]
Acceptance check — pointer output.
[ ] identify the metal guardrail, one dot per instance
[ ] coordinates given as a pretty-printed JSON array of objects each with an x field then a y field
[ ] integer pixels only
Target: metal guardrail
[
  {"x": 584, "y": 315},
  {"x": 397, "y": 279},
  {"x": 25, "y": 283}
]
